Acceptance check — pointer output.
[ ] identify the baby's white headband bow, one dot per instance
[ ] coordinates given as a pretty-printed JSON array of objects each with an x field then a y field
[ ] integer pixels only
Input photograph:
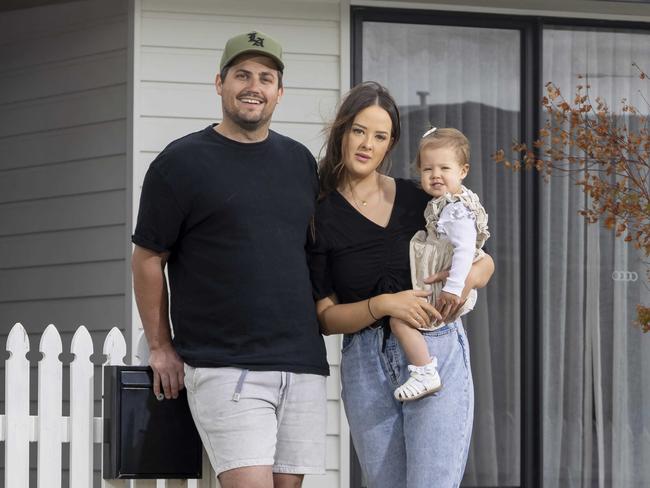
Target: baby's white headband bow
[{"x": 430, "y": 131}]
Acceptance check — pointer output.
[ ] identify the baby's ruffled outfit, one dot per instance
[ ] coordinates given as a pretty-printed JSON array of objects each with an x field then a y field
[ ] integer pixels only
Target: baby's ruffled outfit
[{"x": 451, "y": 220}]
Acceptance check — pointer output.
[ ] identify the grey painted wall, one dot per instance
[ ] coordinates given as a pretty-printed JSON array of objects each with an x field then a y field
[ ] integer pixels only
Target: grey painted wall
[
  {"x": 63, "y": 172},
  {"x": 63, "y": 166}
]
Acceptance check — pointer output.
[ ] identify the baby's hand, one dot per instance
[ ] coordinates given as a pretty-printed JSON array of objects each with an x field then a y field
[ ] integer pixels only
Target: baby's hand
[{"x": 447, "y": 302}]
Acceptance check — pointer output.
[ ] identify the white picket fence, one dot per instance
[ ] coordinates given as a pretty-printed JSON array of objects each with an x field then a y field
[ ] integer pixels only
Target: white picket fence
[{"x": 49, "y": 428}]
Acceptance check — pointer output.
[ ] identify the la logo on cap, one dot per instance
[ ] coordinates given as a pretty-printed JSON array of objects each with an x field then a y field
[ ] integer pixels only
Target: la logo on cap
[{"x": 255, "y": 40}]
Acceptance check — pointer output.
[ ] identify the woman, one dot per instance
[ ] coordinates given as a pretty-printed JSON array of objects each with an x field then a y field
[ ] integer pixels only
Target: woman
[{"x": 359, "y": 262}]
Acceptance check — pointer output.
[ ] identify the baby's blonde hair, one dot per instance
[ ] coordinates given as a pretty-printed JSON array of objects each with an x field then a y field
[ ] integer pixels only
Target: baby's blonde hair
[{"x": 445, "y": 137}]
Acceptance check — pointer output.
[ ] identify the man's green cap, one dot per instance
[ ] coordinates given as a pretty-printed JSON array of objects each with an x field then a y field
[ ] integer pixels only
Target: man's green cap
[{"x": 252, "y": 42}]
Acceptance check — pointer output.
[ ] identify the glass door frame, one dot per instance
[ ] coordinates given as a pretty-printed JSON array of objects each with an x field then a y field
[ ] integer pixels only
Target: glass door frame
[{"x": 531, "y": 58}]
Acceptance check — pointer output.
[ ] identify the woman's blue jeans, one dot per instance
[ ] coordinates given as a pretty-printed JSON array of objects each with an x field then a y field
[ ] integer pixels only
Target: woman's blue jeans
[{"x": 418, "y": 444}]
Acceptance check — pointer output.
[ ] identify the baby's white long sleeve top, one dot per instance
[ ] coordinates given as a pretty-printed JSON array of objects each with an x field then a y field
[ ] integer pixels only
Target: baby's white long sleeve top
[{"x": 458, "y": 223}]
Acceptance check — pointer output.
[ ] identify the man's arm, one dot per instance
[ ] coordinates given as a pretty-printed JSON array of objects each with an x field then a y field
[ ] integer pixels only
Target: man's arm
[{"x": 150, "y": 288}]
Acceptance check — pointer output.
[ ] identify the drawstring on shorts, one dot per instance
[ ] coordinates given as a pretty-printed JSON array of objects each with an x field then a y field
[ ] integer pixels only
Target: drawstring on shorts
[{"x": 240, "y": 385}]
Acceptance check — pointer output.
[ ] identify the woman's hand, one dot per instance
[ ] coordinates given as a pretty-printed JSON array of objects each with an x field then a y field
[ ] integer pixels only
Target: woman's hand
[
  {"x": 411, "y": 306},
  {"x": 478, "y": 277},
  {"x": 448, "y": 304}
]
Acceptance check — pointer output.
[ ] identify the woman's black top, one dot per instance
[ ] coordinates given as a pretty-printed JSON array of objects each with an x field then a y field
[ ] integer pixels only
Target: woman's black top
[{"x": 353, "y": 257}]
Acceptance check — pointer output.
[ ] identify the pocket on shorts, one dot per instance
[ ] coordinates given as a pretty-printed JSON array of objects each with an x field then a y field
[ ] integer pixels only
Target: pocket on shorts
[
  {"x": 189, "y": 379},
  {"x": 212, "y": 390},
  {"x": 348, "y": 342}
]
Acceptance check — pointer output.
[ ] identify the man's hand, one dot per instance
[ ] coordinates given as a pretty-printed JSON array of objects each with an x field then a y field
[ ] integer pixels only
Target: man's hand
[
  {"x": 150, "y": 288},
  {"x": 168, "y": 371}
]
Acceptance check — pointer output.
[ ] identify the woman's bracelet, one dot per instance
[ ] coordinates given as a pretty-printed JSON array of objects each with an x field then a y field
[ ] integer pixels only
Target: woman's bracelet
[{"x": 370, "y": 310}]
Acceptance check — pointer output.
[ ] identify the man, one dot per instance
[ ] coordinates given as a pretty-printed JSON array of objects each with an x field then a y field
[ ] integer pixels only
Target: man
[{"x": 227, "y": 209}]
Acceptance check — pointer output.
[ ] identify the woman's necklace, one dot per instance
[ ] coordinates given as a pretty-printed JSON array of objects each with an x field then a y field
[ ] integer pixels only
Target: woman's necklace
[{"x": 364, "y": 203}]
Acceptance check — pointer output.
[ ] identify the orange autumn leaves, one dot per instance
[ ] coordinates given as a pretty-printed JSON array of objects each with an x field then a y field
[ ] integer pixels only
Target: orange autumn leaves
[{"x": 607, "y": 153}]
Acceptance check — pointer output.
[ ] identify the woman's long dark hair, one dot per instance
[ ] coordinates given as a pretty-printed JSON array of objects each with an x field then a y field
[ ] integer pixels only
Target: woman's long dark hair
[{"x": 362, "y": 96}]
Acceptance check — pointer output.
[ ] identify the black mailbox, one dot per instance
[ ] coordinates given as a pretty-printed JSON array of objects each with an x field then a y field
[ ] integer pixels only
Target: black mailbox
[{"x": 145, "y": 438}]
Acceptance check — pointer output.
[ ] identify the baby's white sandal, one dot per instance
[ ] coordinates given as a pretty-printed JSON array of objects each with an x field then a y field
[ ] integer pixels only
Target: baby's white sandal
[{"x": 424, "y": 380}]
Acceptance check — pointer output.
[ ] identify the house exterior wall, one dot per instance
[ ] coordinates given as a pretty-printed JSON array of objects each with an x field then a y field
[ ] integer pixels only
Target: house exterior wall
[
  {"x": 63, "y": 170},
  {"x": 63, "y": 166},
  {"x": 177, "y": 48}
]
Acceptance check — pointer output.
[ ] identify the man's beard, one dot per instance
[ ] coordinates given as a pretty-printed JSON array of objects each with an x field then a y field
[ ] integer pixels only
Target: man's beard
[{"x": 247, "y": 124}]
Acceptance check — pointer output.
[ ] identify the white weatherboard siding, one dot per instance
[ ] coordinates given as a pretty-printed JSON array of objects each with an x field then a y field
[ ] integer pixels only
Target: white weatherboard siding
[
  {"x": 63, "y": 191},
  {"x": 177, "y": 50}
]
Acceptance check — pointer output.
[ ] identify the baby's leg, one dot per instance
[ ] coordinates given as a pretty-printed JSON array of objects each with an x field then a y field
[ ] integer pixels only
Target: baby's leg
[
  {"x": 412, "y": 342},
  {"x": 423, "y": 375}
]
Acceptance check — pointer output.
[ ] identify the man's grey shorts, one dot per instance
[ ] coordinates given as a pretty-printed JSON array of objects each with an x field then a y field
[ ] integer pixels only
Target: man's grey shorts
[{"x": 259, "y": 418}]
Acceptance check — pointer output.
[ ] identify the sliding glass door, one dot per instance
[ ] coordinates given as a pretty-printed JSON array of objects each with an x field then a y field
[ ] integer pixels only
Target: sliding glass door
[
  {"x": 596, "y": 366},
  {"x": 469, "y": 78}
]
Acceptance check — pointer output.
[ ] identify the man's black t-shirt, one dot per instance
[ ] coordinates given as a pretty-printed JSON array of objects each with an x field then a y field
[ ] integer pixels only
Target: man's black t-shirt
[{"x": 235, "y": 220}]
